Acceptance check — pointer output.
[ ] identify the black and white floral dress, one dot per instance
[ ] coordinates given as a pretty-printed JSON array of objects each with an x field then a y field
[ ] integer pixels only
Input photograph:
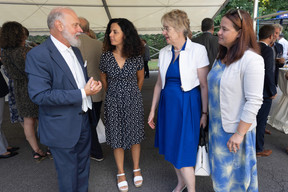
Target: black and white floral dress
[{"x": 123, "y": 106}]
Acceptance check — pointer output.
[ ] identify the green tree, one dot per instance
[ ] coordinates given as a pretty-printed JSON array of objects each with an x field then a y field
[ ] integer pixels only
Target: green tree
[
  {"x": 156, "y": 41},
  {"x": 265, "y": 7},
  {"x": 272, "y": 6}
]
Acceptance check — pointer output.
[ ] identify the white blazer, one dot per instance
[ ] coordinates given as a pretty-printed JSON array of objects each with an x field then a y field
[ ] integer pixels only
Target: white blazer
[
  {"x": 193, "y": 57},
  {"x": 241, "y": 91}
]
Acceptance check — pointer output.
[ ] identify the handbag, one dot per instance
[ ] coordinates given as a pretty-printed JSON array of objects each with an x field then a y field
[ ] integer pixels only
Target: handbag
[
  {"x": 101, "y": 131},
  {"x": 202, "y": 167}
]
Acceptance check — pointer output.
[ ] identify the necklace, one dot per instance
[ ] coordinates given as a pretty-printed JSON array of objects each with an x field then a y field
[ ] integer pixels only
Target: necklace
[{"x": 177, "y": 51}]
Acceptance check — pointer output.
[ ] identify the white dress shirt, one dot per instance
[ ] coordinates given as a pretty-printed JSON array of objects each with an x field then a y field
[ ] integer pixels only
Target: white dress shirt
[
  {"x": 76, "y": 70},
  {"x": 284, "y": 43}
]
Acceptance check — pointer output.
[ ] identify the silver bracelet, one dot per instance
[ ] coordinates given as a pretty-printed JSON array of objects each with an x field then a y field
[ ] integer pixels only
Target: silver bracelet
[{"x": 240, "y": 134}]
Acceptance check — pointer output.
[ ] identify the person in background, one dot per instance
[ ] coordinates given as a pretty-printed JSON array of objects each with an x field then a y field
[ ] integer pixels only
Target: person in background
[
  {"x": 14, "y": 52},
  {"x": 58, "y": 84},
  {"x": 91, "y": 50},
  {"x": 122, "y": 77},
  {"x": 92, "y": 34},
  {"x": 5, "y": 150},
  {"x": 181, "y": 90},
  {"x": 278, "y": 56},
  {"x": 235, "y": 87},
  {"x": 284, "y": 43},
  {"x": 278, "y": 50},
  {"x": 146, "y": 58},
  {"x": 266, "y": 33},
  {"x": 208, "y": 40},
  {"x": 14, "y": 116}
]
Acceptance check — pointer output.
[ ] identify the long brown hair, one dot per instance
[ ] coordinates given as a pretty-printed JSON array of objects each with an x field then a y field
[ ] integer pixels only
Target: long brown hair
[
  {"x": 243, "y": 23},
  {"x": 12, "y": 35}
]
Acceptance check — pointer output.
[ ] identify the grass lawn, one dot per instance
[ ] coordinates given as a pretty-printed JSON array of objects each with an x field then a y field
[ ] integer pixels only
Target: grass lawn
[{"x": 153, "y": 65}]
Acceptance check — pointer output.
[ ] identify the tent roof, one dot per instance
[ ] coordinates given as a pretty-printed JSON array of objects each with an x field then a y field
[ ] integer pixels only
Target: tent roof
[{"x": 145, "y": 14}]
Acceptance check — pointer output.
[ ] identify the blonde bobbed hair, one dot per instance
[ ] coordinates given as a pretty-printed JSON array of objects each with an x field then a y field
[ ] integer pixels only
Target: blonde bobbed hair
[{"x": 179, "y": 20}]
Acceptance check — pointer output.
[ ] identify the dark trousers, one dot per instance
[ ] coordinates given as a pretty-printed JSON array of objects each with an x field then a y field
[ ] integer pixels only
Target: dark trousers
[
  {"x": 96, "y": 149},
  {"x": 261, "y": 123},
  {"x": 73, "y": 164},
  {"x": 146, "y": 68}
]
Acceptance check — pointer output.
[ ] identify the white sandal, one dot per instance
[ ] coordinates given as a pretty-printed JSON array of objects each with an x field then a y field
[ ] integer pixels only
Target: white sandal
[
  {"x": 181, "y": 190},
  {"x": 137, "y": 179},
  {"x": 122, "y": 184}
]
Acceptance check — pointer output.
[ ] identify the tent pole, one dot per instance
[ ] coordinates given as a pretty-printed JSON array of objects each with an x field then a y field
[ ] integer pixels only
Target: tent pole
[
  {"x": 255, "y": 14},
  {"x": 106, "y": 9}
]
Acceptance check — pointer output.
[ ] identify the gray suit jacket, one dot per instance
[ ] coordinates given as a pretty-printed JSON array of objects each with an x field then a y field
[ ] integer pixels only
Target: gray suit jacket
[
  {"x": 211, "y": 43},
  {"x": 91, "y": 50},
  {"x": 147, "y": 53}
]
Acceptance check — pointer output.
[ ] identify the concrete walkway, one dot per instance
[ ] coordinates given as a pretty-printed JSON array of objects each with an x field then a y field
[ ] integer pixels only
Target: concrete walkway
[{"x": 22, "y": 174}]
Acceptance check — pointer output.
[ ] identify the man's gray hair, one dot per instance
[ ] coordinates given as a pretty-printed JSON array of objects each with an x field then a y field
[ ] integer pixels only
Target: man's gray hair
[
  {"x": 277, "y": 25},
  {"x": 56, "y": 14}
]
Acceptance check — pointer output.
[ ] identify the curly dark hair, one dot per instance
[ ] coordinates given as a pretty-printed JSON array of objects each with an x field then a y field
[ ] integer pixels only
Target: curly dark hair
[
  {"x": 12, "y": 35},
  {"x": 132, "y": 46}
]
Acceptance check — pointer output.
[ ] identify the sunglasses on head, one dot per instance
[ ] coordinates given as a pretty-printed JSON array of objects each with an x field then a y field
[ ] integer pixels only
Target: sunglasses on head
[{"x": 233, "y": 11}]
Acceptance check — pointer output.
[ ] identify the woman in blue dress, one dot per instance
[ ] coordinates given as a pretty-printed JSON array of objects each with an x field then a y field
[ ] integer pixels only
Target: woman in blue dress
[
  {"x": 181, "y": 90},
  {"x": 235, "y": 86}
]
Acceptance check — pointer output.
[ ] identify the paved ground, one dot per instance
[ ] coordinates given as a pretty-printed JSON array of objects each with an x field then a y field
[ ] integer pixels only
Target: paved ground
[{"x": 21, "y": 173}]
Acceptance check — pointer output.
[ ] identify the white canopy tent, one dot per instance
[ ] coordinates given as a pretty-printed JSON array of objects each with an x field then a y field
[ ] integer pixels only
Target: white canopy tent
[{"x": 145, "y": 14}]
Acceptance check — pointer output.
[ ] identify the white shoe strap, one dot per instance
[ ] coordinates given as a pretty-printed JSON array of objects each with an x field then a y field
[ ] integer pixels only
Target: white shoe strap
[
  {"x": 121, "y": 174},
  {"x": 136, "y": 170},
  {"x": 138, "y": 178},
  {"x": 123, "y": 184}
]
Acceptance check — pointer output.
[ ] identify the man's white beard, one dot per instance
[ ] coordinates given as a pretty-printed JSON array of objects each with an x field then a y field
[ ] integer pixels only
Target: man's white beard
[{"x": 71, "y": 39}]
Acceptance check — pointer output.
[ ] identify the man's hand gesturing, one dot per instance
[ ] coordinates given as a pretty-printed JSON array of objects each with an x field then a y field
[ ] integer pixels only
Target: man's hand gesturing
[{"x": 92, "y": 87}]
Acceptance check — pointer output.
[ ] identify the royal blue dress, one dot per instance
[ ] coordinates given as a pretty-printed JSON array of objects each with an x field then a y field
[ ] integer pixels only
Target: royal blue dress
[
  {"x": 178, "y": 123},
  {"x": 229, "y": 171}
]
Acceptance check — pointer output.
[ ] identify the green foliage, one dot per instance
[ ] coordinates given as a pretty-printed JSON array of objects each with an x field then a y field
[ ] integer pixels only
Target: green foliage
[
  {"x": 100, "y": 36},
  {"x": 157, "y": 41},
  {"x": 272, "y": 6},
  {"x": 265, "y": 7},
  {"x": 38, "y": 39},
  {"x": 234, "y": 4}
]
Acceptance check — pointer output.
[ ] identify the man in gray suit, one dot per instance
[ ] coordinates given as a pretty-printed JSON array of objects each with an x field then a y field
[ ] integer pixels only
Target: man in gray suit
[
  {"x": 91, "y": 50},
  {"x": 208, "y": 40}
]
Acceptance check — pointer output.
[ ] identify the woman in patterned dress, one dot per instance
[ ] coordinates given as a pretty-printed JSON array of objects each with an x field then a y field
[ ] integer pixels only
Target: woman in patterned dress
[
  {"x": 182, "y": 93},
  {"x": 13, "y": 57},
  {"x": 122, "y": 77},
  {"x": 235, "y": 86},
  {"x": 5, "y": 150}
]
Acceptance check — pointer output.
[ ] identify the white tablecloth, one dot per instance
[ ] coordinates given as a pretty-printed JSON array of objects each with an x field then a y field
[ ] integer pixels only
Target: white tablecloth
[{"x": 279, "y": 115}]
